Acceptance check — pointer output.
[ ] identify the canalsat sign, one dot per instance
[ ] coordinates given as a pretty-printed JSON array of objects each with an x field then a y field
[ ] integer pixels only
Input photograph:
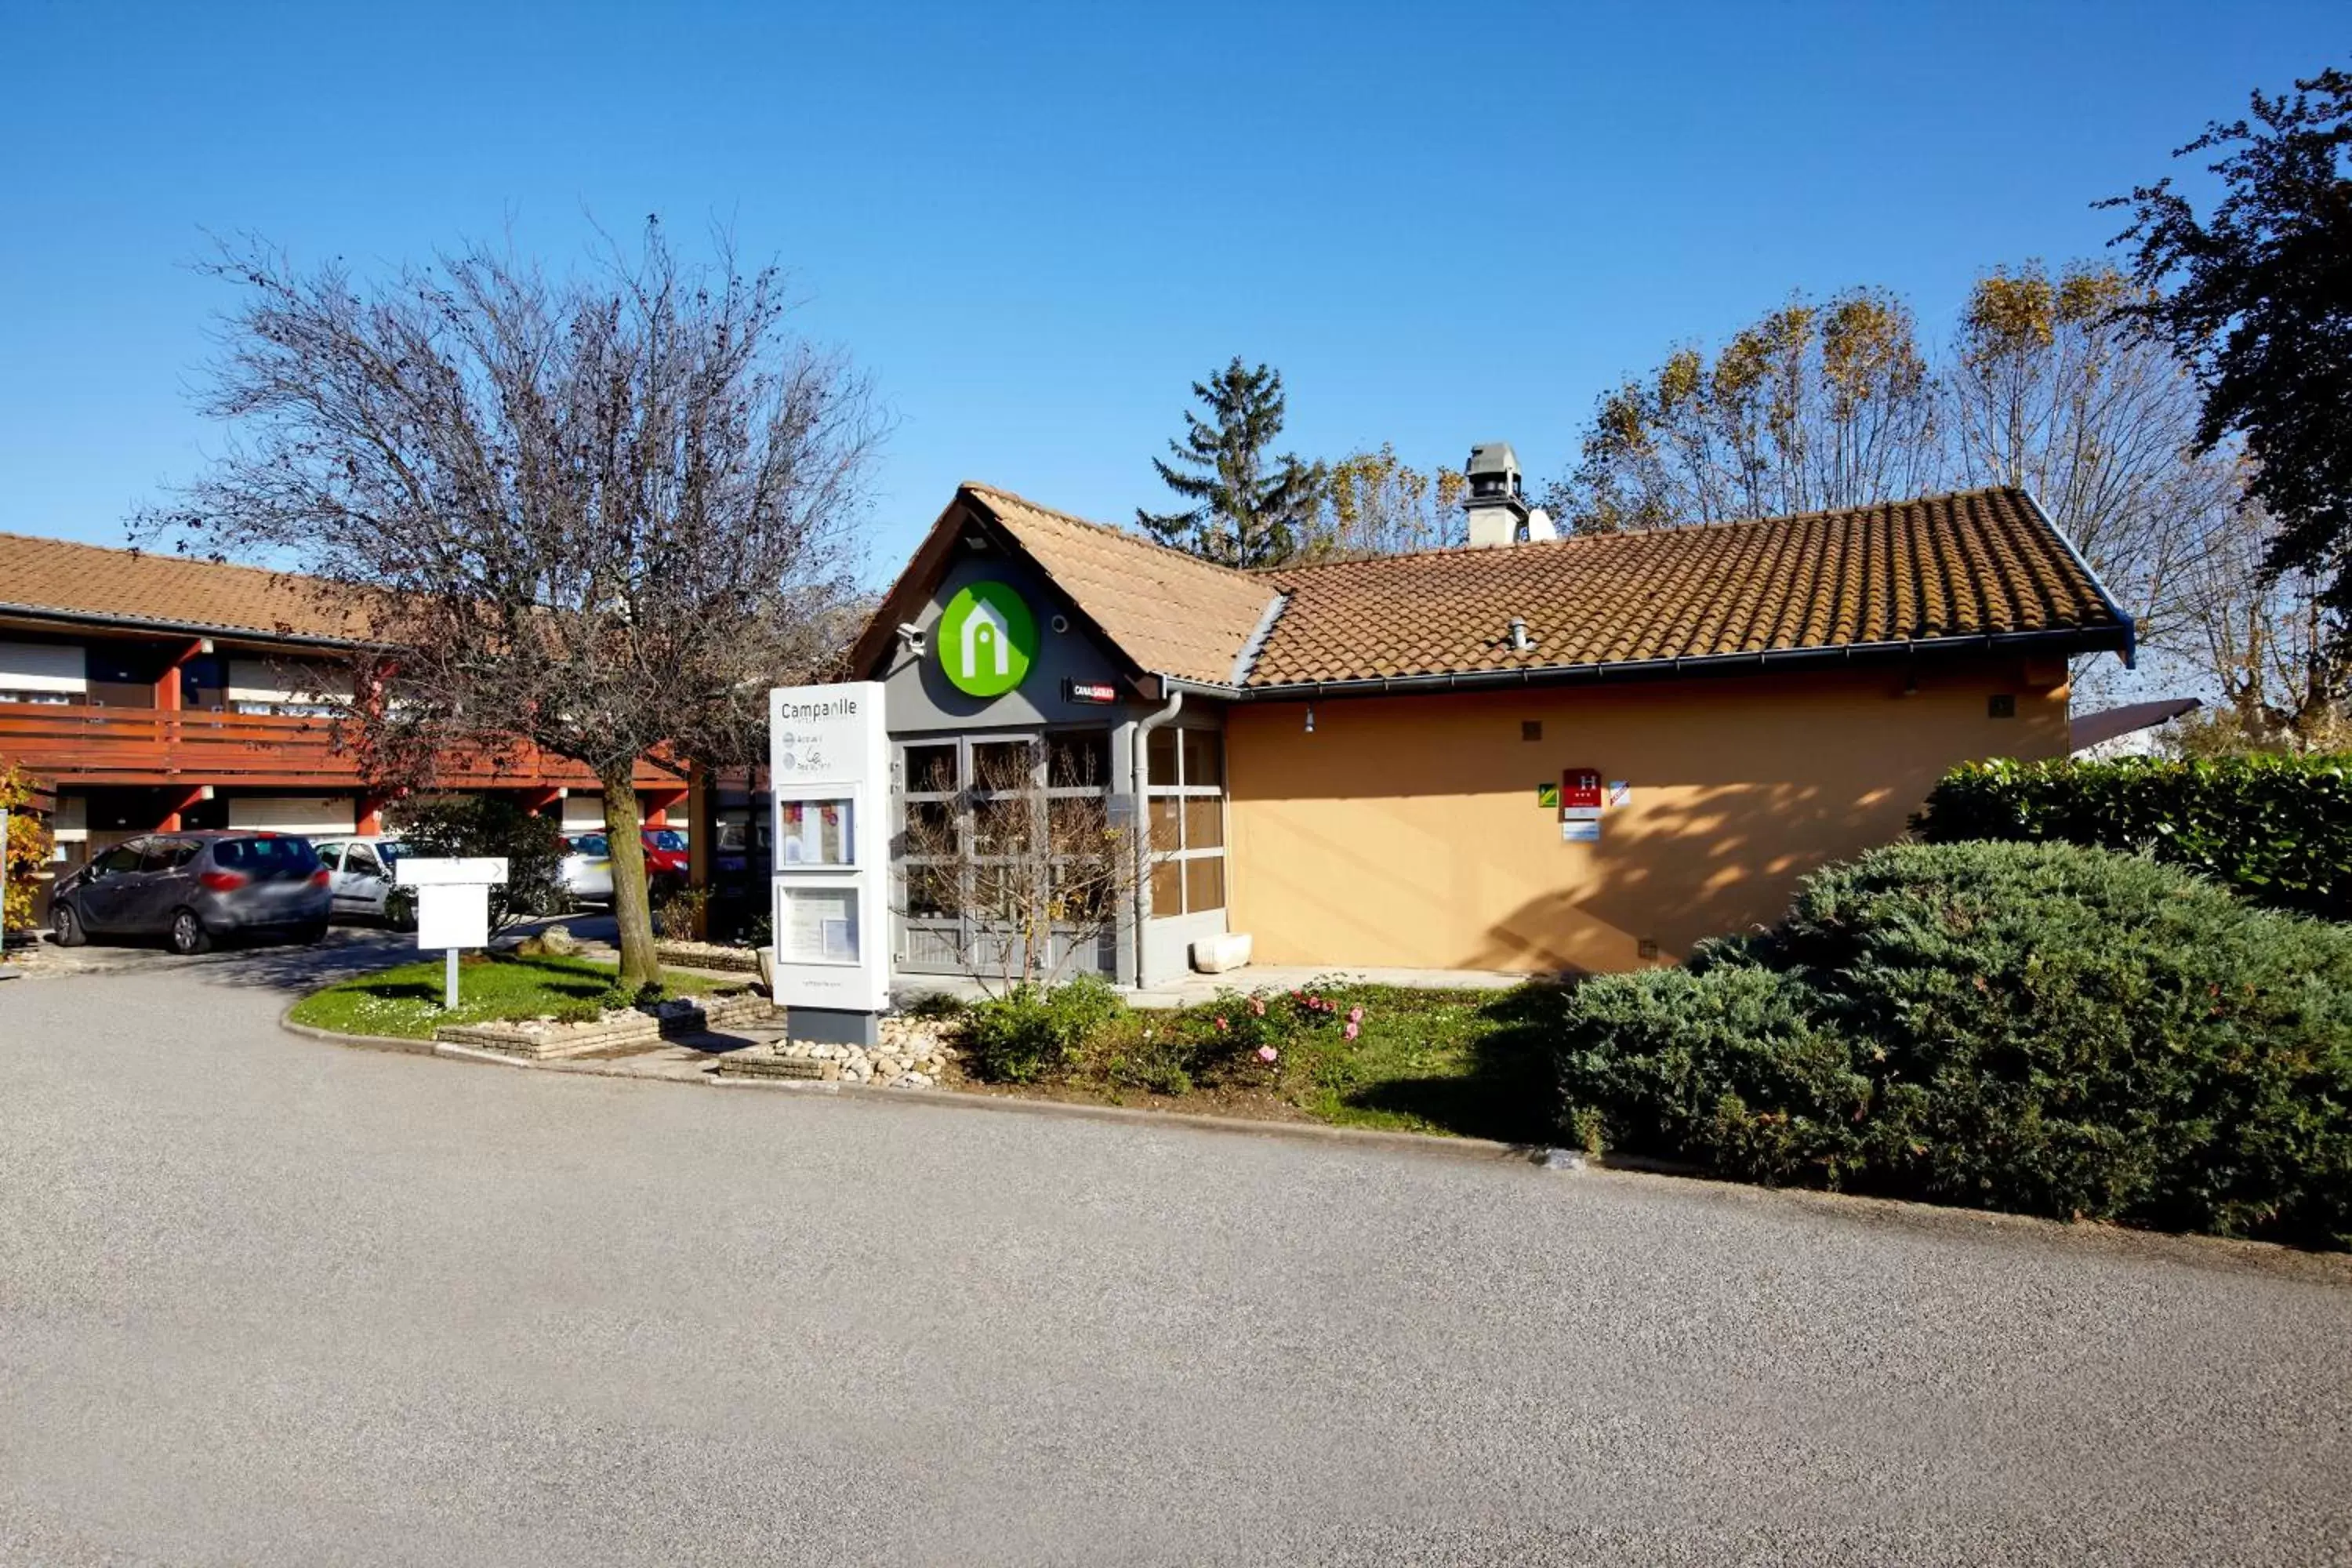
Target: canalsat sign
[{"x": 1099, "y": 692}]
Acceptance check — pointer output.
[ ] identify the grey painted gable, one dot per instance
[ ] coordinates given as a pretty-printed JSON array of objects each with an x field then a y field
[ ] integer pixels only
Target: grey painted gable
[{"x": 918, "y": 699}]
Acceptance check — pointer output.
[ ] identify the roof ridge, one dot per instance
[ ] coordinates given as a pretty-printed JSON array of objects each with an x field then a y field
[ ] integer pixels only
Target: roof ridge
[
  {"x": 1124, "y": 535},
  {"x": 1773, "y": 518}
]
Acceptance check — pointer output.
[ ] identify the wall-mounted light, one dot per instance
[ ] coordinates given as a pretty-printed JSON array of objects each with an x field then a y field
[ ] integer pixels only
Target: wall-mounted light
[{"x": 1310, "y": 717}]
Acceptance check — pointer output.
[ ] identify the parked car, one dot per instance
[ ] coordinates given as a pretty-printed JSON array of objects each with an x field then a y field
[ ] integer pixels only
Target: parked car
[
  {"x": 588, "y": 867},
  {"x": 668, "y": 866},
  {"x": 360, "y": 876},
  {"x": 191, "y": 889}
]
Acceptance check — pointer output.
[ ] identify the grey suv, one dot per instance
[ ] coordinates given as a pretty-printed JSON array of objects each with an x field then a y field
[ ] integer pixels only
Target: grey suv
[{"x": 191, "y": 887}]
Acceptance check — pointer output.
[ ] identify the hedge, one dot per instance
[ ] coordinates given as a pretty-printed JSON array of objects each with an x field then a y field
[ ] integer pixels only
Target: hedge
[
  {"x": 2276, "y": 828},
  {"x": 2036, "y": 1027}
]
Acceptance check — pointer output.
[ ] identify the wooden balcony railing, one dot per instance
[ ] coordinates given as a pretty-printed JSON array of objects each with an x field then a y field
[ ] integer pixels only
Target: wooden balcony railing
[{"x": 75, "y": 745}]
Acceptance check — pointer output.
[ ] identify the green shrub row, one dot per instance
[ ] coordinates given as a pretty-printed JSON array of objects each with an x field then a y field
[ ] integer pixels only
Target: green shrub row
[
  {"x": 2276, "y": 828},
  {"x": 2036, "y": 1027}
]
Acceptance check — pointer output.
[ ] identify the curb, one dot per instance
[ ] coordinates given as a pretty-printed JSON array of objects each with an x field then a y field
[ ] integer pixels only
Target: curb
[{"x": 1129, "y": 1115}]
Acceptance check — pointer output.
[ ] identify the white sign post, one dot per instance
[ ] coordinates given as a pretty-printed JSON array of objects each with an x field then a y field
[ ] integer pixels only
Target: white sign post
[
  {"x": 829, "y": 770},
  {"x": 453, "y": 905}
]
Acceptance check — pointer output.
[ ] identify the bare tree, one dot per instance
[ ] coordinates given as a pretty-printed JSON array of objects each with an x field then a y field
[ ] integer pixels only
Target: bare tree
[
  {"x": 2267, "y": 643},
  {"x": 1028, "y": 880},
  {"x": 1816, "y": 406},
  {"x": 599, "y": 513}
]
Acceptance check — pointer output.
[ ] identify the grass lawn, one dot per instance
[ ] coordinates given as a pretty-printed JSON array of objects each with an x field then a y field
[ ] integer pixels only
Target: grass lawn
[
  {"x": 1469, "y": 1063},
  {"x": 405, "y": 1002}
]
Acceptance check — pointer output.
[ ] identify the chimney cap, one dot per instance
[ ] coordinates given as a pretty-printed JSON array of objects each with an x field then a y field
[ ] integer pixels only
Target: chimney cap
[{"x": 1492, "y": 457}]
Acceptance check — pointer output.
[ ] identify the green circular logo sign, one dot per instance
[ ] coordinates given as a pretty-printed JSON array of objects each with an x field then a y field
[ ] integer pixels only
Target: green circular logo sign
[{"x": 986, "y": 640}]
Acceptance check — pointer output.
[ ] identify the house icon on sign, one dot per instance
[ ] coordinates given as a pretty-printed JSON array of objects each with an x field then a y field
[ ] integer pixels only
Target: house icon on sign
[{"x": 985, "y": 618}]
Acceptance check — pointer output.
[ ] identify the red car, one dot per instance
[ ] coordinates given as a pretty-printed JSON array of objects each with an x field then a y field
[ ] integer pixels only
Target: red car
[{"x": 665, "y": 857}]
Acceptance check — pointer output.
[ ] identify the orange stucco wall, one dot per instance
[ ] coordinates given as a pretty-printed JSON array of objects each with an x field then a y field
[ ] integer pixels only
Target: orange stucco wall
[{"x": 1406, "y": 830}]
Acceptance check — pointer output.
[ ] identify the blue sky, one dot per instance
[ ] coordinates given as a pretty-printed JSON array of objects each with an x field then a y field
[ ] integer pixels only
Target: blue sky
[{"x": 1035, "y": 227}]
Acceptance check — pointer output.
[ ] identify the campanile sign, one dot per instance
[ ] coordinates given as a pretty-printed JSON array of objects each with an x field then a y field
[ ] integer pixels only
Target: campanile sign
[{"x": 829, "y": 766}]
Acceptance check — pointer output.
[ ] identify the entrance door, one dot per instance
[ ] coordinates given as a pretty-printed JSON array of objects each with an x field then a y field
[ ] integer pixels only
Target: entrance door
[{"x": 978, "y": 852}]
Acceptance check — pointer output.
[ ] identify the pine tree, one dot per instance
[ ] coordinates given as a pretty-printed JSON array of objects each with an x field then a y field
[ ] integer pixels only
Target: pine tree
[{"x": 1254, "y": 510}]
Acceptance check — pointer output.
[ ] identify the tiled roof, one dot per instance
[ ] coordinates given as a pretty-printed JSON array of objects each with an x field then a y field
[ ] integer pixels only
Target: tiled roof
[
  {"x": 1172, "y": 613},
  {"x": 165, "y": 590},
  {"x": 1967, "y": 565}
]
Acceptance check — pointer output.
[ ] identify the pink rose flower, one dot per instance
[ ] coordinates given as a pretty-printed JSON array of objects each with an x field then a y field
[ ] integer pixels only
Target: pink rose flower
[
  {"x": 1355, "y": 1015},
  {"x": 1220, "y": 1024},
  {"x": 1257, "y": 1005},
  {"x": 1267, "y": 1053},
  {"x": 1351, "y": 1030}
]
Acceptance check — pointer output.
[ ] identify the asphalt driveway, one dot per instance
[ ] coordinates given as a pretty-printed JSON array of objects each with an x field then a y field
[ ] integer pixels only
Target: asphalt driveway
[{"x": 267, "y": 1300}]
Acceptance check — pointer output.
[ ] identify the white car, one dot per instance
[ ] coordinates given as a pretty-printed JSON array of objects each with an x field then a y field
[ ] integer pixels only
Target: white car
[
  {"x": 587, "y": 871},
  {"x": 359, "y": 878}
]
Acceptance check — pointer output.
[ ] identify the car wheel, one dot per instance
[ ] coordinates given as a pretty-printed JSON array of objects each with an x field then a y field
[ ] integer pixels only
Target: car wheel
[
  {"x": 189, "y": 936},
  {"x": 314, "y": 933},
  {"x": 66, "y": 926}
]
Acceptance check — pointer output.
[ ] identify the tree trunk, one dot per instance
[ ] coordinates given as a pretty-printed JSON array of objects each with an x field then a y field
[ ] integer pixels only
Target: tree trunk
[{"x": 632, "y": 906}]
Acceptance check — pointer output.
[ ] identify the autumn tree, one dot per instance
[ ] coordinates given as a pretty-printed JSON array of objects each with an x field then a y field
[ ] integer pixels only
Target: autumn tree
[
  {"x": 24, "y": 849},
  {"x": 1816, "y": 406},
  {"x": 601, "y": 513},
  {"x": 2258, "y": 299},
  {"x": 1250, "y": 509},
  {"x": 2052, "y": 389},
  {"x": 1375, "y": 503}
]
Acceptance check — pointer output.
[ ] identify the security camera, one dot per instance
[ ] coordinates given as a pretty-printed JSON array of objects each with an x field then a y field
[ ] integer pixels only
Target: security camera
[{"x": 911, "y": 636}]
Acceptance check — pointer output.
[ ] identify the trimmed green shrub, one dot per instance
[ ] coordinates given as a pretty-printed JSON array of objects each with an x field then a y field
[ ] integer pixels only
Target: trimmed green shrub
[
  {"x": 1031, "y": 1032},
  {"x": 2276, "y": 828},
  {"x": 2036, "y": 1027}
]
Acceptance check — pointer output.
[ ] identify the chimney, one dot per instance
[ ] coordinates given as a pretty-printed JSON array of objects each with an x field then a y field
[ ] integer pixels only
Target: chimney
[{"x": 1498, "y": 512}]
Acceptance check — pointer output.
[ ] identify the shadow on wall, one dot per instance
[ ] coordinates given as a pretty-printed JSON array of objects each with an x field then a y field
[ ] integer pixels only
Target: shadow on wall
[{"x": 1701, "y": 861}]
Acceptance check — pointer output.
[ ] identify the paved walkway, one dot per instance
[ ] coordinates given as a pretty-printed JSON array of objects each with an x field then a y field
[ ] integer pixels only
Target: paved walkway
[{"x": 266, "y": 1300}]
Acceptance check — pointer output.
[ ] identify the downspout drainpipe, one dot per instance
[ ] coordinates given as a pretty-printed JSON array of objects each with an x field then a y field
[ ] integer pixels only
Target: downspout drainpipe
[{"x": 1140, "y": 765}]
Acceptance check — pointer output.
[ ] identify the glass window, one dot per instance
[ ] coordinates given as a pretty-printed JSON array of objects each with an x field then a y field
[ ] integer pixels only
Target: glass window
[
  {"x": 1204, "y": 822},
  {"x": 1204, "y": 759},
  {"x": 819, "y": 925},
  {"x": 1166, "y": 833},
  {"x": 161, "y": 854},
  {"x": 1002, "y": 765},
  {"x": 816, "y": 832},
  {"x": 594, "y": 844},
  {"x": 931, "y": 770},
  {"x": 930, "y": 891},
  {"x": 331, "y": 850},
  {"x": 1078, "y": 759},
  {"x": 1167, "y": 888},
  {"x": 121, "y": 858},
  {"x": 267, "y": 857},
  {"x": 1076, "y": 823},
  {"x": 667, "y": 839},
  {"x": 1001, "y": 827},
  {"x": 361, "y": 861},
  {"x": 930, "y": 828},
  {"x": 1159, "y": 755},
  {"x": 1204, "y": 883}
]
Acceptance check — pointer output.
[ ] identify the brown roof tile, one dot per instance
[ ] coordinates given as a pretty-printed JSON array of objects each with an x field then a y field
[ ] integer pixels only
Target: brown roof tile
[
  {"x": 165, "y": 590},
  {"x": 1985, "y": 562},
  {"x": 1172, "y": 613}
]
